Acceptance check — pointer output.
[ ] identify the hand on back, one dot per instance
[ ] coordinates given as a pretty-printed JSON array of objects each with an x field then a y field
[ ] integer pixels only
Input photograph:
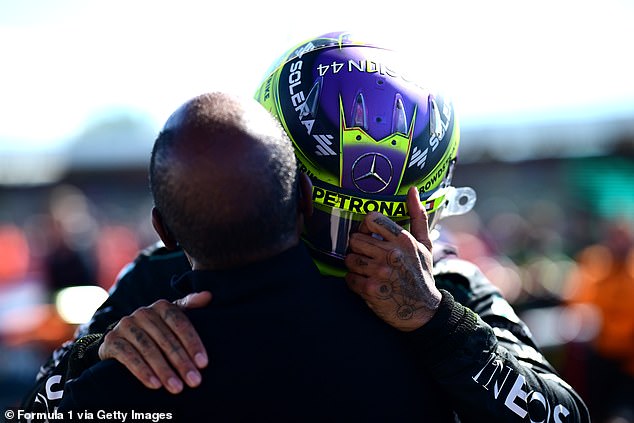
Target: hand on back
[{"x": 159, "y": 345}]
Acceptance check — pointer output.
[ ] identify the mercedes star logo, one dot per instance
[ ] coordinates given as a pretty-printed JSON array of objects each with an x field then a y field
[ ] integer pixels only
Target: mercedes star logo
[{"x": 372, "y": 172}]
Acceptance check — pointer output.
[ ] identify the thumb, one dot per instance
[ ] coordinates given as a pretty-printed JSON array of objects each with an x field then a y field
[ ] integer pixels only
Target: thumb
[
  {"x": 194, "y": 300},
  {"x": 418, "y": 218}
]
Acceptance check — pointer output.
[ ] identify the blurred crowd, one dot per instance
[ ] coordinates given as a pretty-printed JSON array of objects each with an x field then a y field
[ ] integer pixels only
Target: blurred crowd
[
  {"x": 64, "y": 242},
  {"x": 569, "y": 275},
  {"x": 579, "y": 307}
]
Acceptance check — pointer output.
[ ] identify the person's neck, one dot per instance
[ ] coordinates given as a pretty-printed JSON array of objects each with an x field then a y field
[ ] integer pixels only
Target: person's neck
[{"x": 246, "y": 259}]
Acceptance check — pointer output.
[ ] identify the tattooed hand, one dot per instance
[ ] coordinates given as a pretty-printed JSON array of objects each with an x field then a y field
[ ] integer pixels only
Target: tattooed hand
[
  {"x": 394, "y": 274},
  {"x": 152, "y": 336}
]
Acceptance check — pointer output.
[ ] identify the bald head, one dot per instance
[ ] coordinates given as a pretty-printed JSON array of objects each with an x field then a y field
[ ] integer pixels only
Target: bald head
[{"x": 224, "y": 180}]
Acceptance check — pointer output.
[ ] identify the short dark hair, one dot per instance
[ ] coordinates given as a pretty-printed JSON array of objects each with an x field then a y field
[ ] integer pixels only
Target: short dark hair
[{"x": 217, "y": 224}]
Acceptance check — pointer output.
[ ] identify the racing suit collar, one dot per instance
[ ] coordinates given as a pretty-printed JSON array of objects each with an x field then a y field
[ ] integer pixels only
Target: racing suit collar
[{"x": 249, "y": 279}]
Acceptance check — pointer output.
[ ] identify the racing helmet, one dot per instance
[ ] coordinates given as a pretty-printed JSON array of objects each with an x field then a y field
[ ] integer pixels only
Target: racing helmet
[{"x": 364, "y": 133}]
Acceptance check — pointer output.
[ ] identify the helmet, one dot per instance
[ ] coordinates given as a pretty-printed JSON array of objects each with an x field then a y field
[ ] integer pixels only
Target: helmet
[{"x": 364, "y": 133}]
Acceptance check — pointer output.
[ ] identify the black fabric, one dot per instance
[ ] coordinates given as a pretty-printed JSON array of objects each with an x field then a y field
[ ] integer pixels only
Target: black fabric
[
  {"x": 141, "y": 283},
  {"x": 285, "y": 344},
  {"x": 451, "y": 362},
  {"x": 448, "y": 329}
]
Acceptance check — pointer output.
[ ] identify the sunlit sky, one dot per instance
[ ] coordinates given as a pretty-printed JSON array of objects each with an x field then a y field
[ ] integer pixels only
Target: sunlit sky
[{"x": 65, "y": 62}]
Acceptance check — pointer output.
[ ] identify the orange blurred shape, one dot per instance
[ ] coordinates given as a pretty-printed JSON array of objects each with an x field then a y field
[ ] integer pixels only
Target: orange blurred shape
[
  {"x": 14, "y": 260},
  {"x": 38, "y": 324},
  {"x": 117, "y": 246}
]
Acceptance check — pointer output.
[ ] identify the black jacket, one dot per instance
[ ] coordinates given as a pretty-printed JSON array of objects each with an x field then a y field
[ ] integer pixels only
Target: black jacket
[
  {"x": 483, "y": 366},
  {"x": 286, "y": 345}
]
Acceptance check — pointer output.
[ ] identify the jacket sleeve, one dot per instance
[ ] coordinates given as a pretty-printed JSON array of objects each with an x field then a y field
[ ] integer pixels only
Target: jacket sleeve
[
  {"x": 66, "y": 363},
  {"x": 142, "y": 282},
  {"x": 484, "y": 358}
]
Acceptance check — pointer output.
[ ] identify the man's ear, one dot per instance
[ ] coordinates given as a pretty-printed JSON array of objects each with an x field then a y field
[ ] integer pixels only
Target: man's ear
[
  {"x": 162, "y": 231},
  {"x": 305, "y": 195}
]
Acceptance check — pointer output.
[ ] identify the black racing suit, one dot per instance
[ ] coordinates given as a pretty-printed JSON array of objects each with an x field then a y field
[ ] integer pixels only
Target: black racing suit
[{"x": 475, "y": 348}]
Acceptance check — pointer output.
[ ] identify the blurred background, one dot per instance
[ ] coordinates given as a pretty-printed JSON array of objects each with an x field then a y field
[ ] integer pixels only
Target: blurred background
[{"x": 544, "y": 91}]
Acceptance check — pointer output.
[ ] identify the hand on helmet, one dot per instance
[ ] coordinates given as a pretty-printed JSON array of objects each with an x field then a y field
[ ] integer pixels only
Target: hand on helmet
[
  {"x": 153, "y": 339},
  {"x": 394, "y": 274}
]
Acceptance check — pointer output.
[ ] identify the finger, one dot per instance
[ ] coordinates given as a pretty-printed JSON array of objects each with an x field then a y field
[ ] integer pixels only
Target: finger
[
  {"x": 140, "y": 331},
  {"x": 418, "y": 218},
  {"x": 382, "y": 225},
  {"x": 365, "y": 266},
  {"x": 366, "y": 288},
  {"x": 180, "y": 325},
  {"x": 363, "y": 227},
  {"x": 194, "y": 300},
  {"x": 368, "y": 245},
  {"x": 187, "y": 336},
  {"x": 356, "y": 283},
  {"x": 122, "y": 351},
  {"x": 170, "y": 344}
]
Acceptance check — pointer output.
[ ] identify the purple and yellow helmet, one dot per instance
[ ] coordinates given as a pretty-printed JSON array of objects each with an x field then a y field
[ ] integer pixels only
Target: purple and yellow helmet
[{"x": 364, "y": 133}]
